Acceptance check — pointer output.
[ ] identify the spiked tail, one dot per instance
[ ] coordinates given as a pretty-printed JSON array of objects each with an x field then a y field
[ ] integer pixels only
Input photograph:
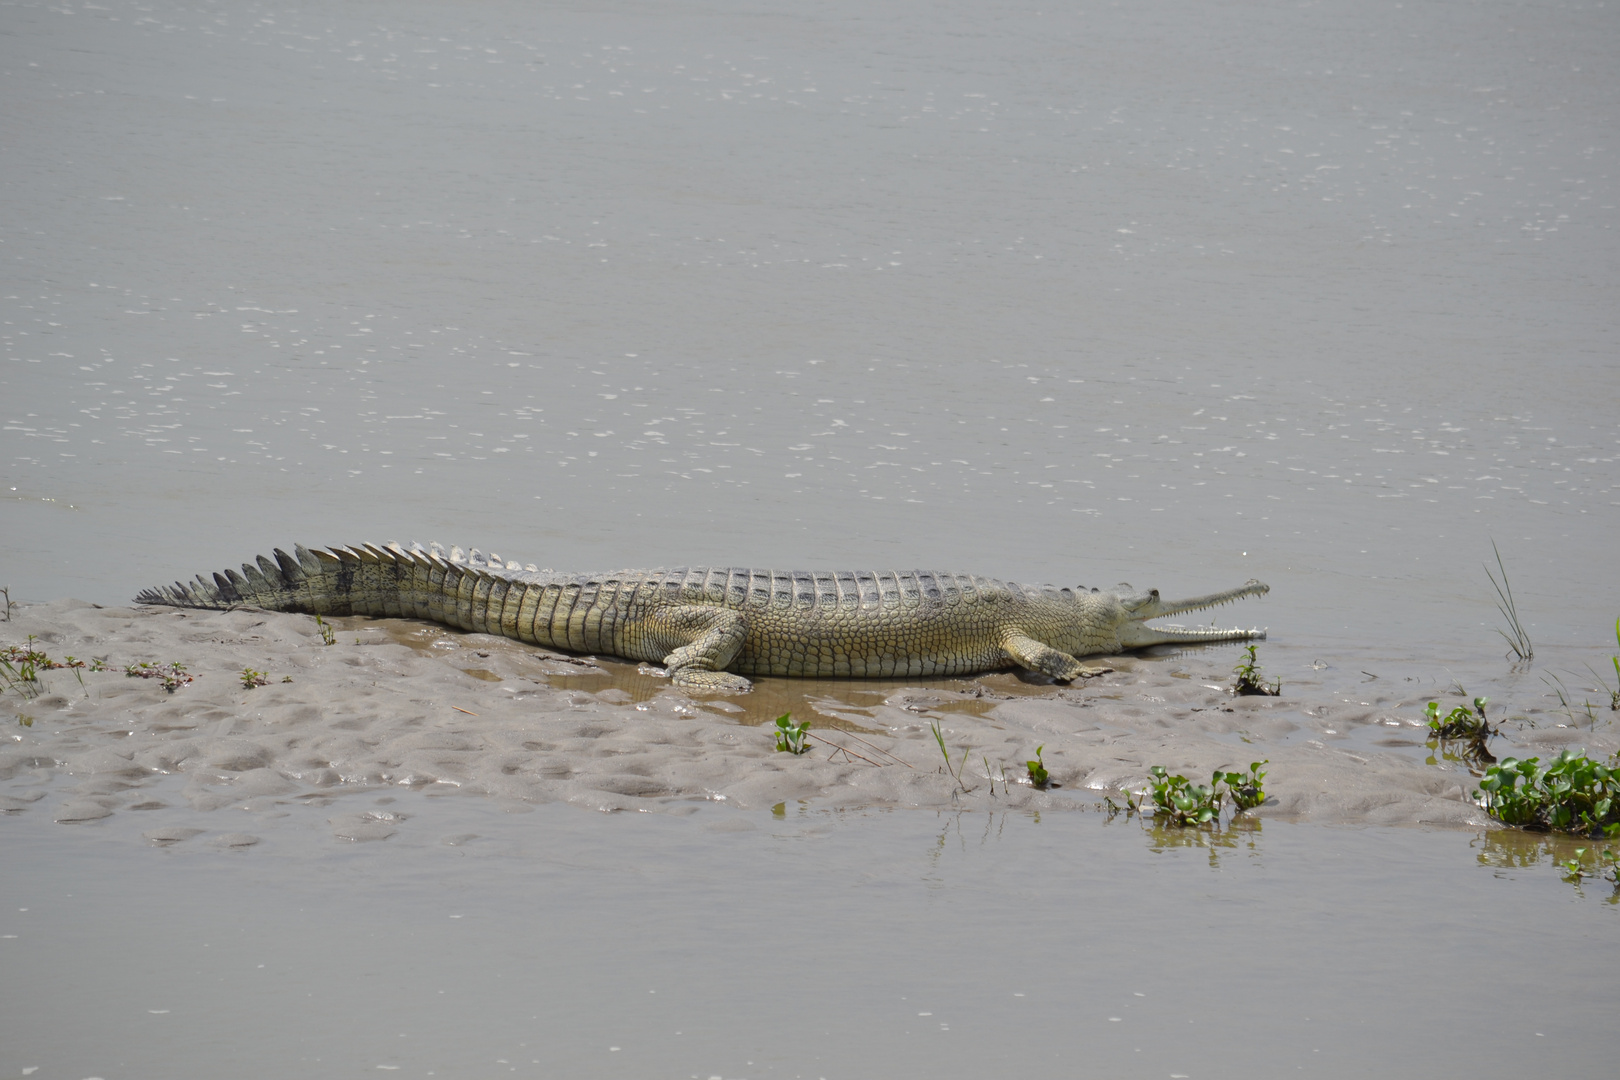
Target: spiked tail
[{"x": 363, "y": 579}]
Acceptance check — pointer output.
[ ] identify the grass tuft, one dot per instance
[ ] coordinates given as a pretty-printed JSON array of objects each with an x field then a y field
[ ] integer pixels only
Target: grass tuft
[{"x": 1515, "y": 635}]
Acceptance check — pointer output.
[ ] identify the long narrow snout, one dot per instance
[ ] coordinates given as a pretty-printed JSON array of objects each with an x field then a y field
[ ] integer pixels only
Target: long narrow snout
[{"x": 1134, "y": 633}]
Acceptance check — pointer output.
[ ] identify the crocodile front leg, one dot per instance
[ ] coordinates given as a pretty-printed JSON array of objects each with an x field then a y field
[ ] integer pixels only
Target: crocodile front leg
[
  {"x": 1028, "y": 653},
  {"x": 713, "y": 637}
]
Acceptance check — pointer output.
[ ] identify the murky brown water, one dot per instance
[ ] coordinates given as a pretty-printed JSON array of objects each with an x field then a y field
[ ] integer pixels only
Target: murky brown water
[
  {"x": 559, "y": 942},
  {"x": 1181, "y": 295}
]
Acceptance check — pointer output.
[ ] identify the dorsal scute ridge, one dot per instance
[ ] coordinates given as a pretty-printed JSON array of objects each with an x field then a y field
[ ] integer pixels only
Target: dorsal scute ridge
[{"x": 291, "y": 572}]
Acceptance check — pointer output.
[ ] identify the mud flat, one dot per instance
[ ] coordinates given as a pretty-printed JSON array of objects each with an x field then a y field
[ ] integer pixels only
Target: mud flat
[
  {"x": 420, "y": 712},
  {"x": 389, "y": 863}
]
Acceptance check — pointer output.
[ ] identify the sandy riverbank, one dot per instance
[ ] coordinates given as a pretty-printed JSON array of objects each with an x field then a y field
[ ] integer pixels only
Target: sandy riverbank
[{"x": 421, "y": 710}]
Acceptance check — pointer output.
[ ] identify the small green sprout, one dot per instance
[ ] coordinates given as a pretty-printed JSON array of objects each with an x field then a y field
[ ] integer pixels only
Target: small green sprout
[
  {"x": 956, "y": 773},
  {"x": 286, "y": 678},
  {"x": 1246, "y": 788},
  {"x": 1249, "y": 680},
  {"x": 328, "y": 635},
  {"x": 1605, "y": 865},
  {"x": 790, "y": 737},
  {"x": 20, "y": 666},
  {"x": 1460, "y": 723},
  {"x": 1037, "y": 769},
  {"x": 992, "y": 777},
  {"x": 25, "y": 720},
  {"x": 5, "y": 593},
  {"x": 172, "y": 676},
  {"x": 1614, "y": 695},
  {"x": 251, "y": 678}
]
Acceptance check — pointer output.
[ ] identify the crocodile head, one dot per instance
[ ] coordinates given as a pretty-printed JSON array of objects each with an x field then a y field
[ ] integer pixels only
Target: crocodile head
[{"x": 1136, "y": 608}]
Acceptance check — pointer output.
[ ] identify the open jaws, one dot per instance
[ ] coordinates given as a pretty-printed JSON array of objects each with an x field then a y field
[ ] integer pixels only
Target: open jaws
[{"x": 1134, "y": 633}]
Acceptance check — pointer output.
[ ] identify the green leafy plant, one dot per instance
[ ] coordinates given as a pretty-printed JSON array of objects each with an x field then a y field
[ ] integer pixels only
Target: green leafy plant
[
  {"x": 1605, "y": 864},
  {"x": 1037, "y": 769},
  {"x": 1460, "y": 723},
  {"x": 1515, "y": 635},
  {"x": 20, "y": 666},
  {"x": 172, "y": 676},
  {"x": 251, "y": 678},
  {"x": 20, "y": 671},
  {"x": 790, "y": 737},
  {"x": 328, "y": 635},
  {"x": 1246, "y": 788},
  {"x": 1181, "y": 802},
  {"x": 1178, "y": 801},
  {"x": 954, "y": 773},
  {"x": 1571, "y": 794},
  {"x": 25, "y": 720},
  {"x": 1249, "y": 680}
]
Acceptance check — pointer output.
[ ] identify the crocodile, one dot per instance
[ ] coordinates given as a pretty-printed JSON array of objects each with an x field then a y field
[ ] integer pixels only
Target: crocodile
[{"x": 713, "y": 627}]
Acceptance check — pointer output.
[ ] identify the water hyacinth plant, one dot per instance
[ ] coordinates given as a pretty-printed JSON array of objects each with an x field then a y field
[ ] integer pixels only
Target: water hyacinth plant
[
  {"x": 1573, "y": 794},
  {"x": 1246, "y": 788},
  {"x": 792, "y": 738},
  {"x": 1461, "y": 725},
  {"x": 1178, "y": 801},
  {"x": 1038, "y": 775}
]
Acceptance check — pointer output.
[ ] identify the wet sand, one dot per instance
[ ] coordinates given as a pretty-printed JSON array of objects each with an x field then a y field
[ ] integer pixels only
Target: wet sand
[{"x": 420, "y": 711}]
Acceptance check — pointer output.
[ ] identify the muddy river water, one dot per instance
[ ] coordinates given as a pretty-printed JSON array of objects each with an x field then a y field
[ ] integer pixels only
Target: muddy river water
[{"x": 1176, "y": 293}]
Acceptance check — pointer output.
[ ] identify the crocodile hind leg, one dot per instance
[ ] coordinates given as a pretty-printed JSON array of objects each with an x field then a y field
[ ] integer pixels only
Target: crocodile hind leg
[
  {"x": 1028, "y": 653},
  {"x": 713, "y": 637}
]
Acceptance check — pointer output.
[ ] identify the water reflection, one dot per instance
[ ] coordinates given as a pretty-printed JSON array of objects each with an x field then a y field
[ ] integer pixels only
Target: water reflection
[{"x": 1585, "y": 864}]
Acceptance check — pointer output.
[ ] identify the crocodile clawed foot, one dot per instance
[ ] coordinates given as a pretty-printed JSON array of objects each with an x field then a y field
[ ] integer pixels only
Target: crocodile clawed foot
[{"x": 723, "y": 682}]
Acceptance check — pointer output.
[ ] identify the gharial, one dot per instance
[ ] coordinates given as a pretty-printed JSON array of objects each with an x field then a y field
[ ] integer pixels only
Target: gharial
[{"x": 712, "y": 627}]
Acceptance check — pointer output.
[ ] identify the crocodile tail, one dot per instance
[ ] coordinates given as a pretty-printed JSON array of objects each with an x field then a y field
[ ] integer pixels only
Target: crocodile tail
[{"x": 364, "y": 579}]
